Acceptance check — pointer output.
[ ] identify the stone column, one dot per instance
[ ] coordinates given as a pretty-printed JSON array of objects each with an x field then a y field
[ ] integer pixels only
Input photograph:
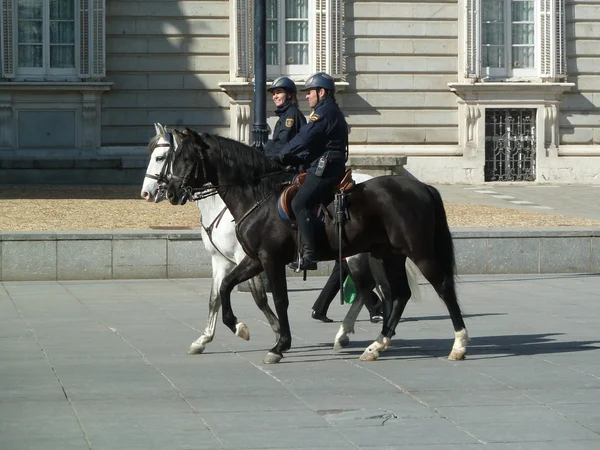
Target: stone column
[
  {"x": 90, "y": 112},
  {"x": 472, "y": 140},
  {"x": 240, "y": 121},
  {"x": 6, "y": 122},
  {"x": 551, "y": 129},
  {"x": 240, "y": 114}
]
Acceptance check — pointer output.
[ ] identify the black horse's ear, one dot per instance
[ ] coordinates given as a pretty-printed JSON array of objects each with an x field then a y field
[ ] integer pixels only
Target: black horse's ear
[
  {"x": 200, "y": 142},
  {"x": 189, "y": 132},
  {"x": 179, "y": 133}
]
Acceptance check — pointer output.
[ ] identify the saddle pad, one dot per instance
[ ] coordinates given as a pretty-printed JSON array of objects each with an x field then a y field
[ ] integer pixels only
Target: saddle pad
[{"x": 284, "y": 205}]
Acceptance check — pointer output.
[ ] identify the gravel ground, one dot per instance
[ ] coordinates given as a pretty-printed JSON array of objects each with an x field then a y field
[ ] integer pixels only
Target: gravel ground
[{"x": 69, "y": 208}]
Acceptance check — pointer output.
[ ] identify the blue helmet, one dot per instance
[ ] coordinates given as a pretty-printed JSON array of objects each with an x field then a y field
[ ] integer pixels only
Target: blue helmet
[
  {"x": 283, "y": 83},
  {"x": 320, "y": 80}
]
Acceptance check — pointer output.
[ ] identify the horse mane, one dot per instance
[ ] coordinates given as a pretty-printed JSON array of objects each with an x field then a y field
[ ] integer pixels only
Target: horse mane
[{"x": 245, "y": 165}]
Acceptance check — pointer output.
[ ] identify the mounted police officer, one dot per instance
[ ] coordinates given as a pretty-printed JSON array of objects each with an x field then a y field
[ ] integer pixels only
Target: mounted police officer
[
  {"x": 290, "y": 118},
  {"x": 321, "y": 147}
]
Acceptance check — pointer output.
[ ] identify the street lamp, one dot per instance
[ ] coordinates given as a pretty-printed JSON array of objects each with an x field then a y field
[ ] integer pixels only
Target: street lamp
[{"x": 259, "y": 131}]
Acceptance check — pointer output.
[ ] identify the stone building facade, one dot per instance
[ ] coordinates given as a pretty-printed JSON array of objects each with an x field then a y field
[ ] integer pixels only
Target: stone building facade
[{"x": 468, "y": 90}]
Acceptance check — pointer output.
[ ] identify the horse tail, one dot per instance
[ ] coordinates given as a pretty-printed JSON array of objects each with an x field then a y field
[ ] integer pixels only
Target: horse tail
[{"x": 442, "y": 239}]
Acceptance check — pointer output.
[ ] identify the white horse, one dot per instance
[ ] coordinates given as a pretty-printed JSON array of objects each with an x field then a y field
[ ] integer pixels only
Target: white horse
[{"x": 218, "y": 235}]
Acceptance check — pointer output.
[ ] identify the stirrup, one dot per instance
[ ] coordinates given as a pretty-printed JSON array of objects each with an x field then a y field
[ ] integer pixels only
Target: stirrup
[{"x": 303, "y": 264}]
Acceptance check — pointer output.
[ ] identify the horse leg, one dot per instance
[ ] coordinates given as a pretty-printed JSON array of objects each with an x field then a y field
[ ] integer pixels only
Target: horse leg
[
  {"x": 443, "y": 283},
  {"x": 275, "y": 272},
  {"x": 396, "y": 293},
  {"x": 360, "y": 272},
  {"x": 257, "y": 289},
  {"x": 438, "y": 265},
  {"x": 347, "y": 326},
  {"x": 220, "y": 268},
  {"x": 246, "y": 269}
]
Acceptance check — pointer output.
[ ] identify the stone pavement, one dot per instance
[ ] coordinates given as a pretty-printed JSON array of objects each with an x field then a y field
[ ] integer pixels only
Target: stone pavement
[
  {"x": 575, "y": 200},
  {"x": 102, "y": 365}
]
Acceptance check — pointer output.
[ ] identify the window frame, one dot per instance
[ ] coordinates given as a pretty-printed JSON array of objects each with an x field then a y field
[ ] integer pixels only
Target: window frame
[
  {"x": 509, "y": 71},
  {"x": 274, "y": 70},
  {"x": 326, "y": 41},
  {"x": 90, "y": 45},
  {"x": 46, "y": 72},
  {"x": 549, "y": 44}
]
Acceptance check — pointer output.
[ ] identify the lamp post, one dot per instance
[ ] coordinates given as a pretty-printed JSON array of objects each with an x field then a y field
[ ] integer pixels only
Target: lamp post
[{"x": 259, "y": 131}]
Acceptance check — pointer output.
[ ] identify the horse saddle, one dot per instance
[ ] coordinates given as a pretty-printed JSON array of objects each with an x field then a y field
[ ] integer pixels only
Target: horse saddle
[{"x": 284, "y": 205}]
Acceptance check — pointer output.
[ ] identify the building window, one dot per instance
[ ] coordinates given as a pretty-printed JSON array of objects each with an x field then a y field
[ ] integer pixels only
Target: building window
[
  {"x": 46, "y": 37},
  {"x": 513, "y": 39},
  {"x": 287, "y": 37},
  {"x": 508, "y": 38},
  {"x": 510, "y": 144},
  {"x": 52, "y": 39},
  {"x": 303, "y": 37}
]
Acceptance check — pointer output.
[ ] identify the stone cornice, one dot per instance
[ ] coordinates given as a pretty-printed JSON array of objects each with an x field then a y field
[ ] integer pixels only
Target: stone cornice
[
  {"x": 509, "y": 91},
  {"x": 55, "y": 86}
]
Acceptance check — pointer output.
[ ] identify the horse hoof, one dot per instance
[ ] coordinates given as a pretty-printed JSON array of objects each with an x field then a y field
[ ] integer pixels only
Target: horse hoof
[
  {"x": 457, "y": 355},
  {"x": 343, "y": 341},
  {"x": 369, "y": 355},
  {"x": 272, "y": 358},
  {"x": 242, "y": 331},
  {"x": 195, "y": 349}
]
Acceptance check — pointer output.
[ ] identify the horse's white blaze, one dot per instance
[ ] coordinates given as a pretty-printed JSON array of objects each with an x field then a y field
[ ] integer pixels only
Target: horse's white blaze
[
  {"x": 150, "y": 186},
  {"x": 459, "y": 349}
]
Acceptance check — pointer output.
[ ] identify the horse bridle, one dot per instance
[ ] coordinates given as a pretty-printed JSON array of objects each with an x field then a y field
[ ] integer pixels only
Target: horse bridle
[{"x": 163, "y": 177}]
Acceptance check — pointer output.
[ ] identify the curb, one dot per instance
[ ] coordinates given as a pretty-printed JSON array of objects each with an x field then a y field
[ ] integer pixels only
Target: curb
[{"x": 131, "y": 254}]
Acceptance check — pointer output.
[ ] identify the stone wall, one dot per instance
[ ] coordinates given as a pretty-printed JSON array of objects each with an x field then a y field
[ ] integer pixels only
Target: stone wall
[
  {"x": 165, "y": 59},
  {"x": 39, "y": 256}
]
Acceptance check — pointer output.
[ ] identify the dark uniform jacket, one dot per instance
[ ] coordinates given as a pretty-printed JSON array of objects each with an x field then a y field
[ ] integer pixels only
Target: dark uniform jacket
[
  {"x": 325, "y": 133},
  {"x": 287, "y": 126}
]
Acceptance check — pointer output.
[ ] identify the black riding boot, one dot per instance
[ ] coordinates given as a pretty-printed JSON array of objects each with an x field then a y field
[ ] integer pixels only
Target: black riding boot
[{"x": 307, "y": 236}]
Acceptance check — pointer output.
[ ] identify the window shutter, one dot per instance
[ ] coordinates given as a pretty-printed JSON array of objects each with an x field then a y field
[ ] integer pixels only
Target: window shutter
[
  {"x": 7, "y": 58},
  {"x": 84, "y": 39},
  {"x": 244, "y": 39},
  {"x": 473, "y": 41},
  {"x": 560, "y": 38},
  {"x": 553, "y": 62},
  {"x": 97, "y": 53},
  {"x": 329, "y": 37},
  {"x": 92, "y": 59}
]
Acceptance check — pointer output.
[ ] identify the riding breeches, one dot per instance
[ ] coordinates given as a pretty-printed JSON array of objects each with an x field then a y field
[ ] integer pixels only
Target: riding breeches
[{"x": 311, "y": 193}]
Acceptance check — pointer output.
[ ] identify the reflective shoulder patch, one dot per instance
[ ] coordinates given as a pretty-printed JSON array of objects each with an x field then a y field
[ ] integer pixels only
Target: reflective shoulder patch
[
  {"x": 314, "y": 117},
  {"x": 289, "y": 122}
]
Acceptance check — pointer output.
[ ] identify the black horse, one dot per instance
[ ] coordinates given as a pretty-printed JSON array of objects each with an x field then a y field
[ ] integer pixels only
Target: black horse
[{"x": 391, "y": 217}]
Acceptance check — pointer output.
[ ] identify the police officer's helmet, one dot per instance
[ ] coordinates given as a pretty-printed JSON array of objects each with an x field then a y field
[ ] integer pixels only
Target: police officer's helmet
[
  {"x": 320, "y": 80},
  {"x": 283, "y": 83}
]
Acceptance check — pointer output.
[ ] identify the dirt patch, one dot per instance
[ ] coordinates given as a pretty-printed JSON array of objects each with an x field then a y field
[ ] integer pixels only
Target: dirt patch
[{"x": 84, "y": 208}]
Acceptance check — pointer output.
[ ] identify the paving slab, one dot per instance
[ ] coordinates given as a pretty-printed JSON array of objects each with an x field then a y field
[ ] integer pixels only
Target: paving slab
[
  {"x": 574, "y": 200},
  {"x": 103, "y": 365}
]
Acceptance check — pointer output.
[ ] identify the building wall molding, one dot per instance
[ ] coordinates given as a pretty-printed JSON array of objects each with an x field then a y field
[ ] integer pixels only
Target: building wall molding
[
  {"x": 82, "y": 97},
  {"x": 474, "y": 98}
]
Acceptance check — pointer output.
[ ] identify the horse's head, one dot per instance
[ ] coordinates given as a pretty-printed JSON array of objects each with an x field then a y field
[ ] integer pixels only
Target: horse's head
[
  {"x": 189, "y": 169},
  {"x": 158, "y": 172}
]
